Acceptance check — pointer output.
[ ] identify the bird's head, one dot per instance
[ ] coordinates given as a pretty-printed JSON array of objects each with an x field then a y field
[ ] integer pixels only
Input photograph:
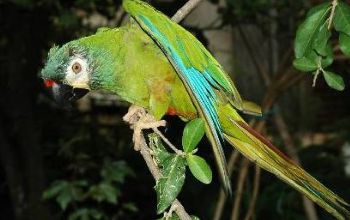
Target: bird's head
[{"x": 68, "y": 72}]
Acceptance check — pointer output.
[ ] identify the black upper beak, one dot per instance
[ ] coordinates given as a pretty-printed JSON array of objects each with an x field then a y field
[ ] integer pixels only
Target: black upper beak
[{"x": 65, "y": 94}]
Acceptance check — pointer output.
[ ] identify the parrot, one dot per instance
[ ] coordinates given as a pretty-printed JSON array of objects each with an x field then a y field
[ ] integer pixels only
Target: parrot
[{"x": 155, "y": 63}]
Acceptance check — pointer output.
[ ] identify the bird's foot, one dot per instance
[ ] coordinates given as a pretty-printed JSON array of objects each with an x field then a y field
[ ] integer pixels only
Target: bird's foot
[{"x": 139, "y": 119}]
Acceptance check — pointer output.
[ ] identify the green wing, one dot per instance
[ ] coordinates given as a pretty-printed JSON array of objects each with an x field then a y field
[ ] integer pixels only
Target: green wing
[
  {"x": 202, "y": 75},
  {"x": 187, "y": 47}
]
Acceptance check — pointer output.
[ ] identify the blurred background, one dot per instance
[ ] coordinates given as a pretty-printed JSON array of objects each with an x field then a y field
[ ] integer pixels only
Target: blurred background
[{"x": 79, "y": 163}]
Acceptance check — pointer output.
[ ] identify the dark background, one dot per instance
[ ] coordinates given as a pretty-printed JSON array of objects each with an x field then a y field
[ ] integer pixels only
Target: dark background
[{"x": 41, "y": 143}]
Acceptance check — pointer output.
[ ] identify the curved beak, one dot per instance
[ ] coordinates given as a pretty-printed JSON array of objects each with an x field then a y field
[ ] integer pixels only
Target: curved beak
[{"x": 64, "y": 94}]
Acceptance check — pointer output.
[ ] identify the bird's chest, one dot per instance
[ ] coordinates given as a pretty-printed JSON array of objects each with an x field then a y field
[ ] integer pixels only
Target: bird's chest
[{"x": 151, "y": 81}]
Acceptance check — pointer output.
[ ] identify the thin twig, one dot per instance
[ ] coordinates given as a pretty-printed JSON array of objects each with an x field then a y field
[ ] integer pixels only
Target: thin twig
[
  {"x": 334, "y": 5},
  {"x": 222, "y": 195},
  {"x": 239, "y": 193},
  {"x": 185, "y": 10},
  {"x": 251, "y": 208},
  {"x": 166, "y": 140},
  {"x": 262, "y": 71},
  {"x": 317, "y": 73}
]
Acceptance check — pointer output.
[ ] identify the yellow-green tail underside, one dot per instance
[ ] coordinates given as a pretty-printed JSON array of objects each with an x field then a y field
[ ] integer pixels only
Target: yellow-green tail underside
[{"x": 259, "y": 150}]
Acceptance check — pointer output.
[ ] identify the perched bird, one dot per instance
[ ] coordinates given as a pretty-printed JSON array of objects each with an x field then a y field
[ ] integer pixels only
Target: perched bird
[{"x": 154, "y": 63}]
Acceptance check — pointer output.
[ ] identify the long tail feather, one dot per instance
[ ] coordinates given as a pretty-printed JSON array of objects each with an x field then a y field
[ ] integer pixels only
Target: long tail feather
[{"x": 259, "y": 150}]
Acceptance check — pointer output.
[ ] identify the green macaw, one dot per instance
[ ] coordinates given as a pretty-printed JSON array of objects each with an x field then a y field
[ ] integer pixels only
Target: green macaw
[{"x": 154, "y": 63}]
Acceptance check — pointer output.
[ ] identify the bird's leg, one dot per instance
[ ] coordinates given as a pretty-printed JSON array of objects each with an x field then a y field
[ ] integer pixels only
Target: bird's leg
[{"x": 139, "y": 120}]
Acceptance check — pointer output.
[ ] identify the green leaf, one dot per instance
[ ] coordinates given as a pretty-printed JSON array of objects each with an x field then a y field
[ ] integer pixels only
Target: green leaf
[
  {"x": 116, "y": 171},
  {"x": 86, "y": 213},
  {"x": 55, "y": 189},
  {"x": 317, "y": 8},
  {"x": 334, "y": 80},
  {"x": 65, "y": 192},
  {"x": 342, "y": 18},
  {"x": 199, "y": 168},
  {"x": 169, "y": 186},
  {"x": 160, "y": 153},
  {"x": 104, "y": 192},
  {"x": 64, "y": 198},
  {"x": 305, "y": 64},
  {"x": 344, "y": 43},
  {"x": 192, "y": 134},
  {"x": 325, "y": 60},
  {"x": 321, "y": 40},
  {"x": 130, "y": 207},
  {"x": 309, "y": 29}
]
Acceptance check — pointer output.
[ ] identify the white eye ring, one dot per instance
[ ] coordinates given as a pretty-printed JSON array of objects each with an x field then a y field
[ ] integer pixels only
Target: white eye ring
[
  {"x": 77, "y": 73},
  {"x": 77, "y": 66}
]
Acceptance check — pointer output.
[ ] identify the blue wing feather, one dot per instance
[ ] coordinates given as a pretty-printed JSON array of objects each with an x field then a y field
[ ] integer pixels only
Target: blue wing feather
[{"x": 199, "y": 85}]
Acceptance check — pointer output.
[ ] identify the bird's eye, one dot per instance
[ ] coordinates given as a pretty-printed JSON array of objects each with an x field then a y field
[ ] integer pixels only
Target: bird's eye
[{"x": 76, "y": 67}]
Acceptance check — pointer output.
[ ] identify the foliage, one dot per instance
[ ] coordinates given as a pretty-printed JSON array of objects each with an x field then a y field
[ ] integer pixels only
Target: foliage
[
  {"x": 173, "y": 165},
  {"x": 313, "y": 48},
  {"x": 80, "y": 197}
]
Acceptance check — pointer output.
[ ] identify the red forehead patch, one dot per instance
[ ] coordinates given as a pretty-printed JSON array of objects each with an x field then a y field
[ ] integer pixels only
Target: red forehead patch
[{"x": 48, "y": 83}]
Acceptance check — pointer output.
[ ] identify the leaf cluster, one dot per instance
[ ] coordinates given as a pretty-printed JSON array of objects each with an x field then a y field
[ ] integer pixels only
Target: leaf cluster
[
  {"x": 313, "y": 48},
  {"x": 69, "y": 194},
  {"x": 173, "y": 165}
]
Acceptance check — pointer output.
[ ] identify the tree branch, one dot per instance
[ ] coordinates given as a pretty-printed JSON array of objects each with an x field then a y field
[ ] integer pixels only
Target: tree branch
[
  {"x": 134, "y": 115},
  {"x": 185, "y": 10}
]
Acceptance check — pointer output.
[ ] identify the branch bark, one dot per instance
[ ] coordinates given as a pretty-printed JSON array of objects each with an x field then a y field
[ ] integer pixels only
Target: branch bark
[{"x": 185, "y": 10}]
